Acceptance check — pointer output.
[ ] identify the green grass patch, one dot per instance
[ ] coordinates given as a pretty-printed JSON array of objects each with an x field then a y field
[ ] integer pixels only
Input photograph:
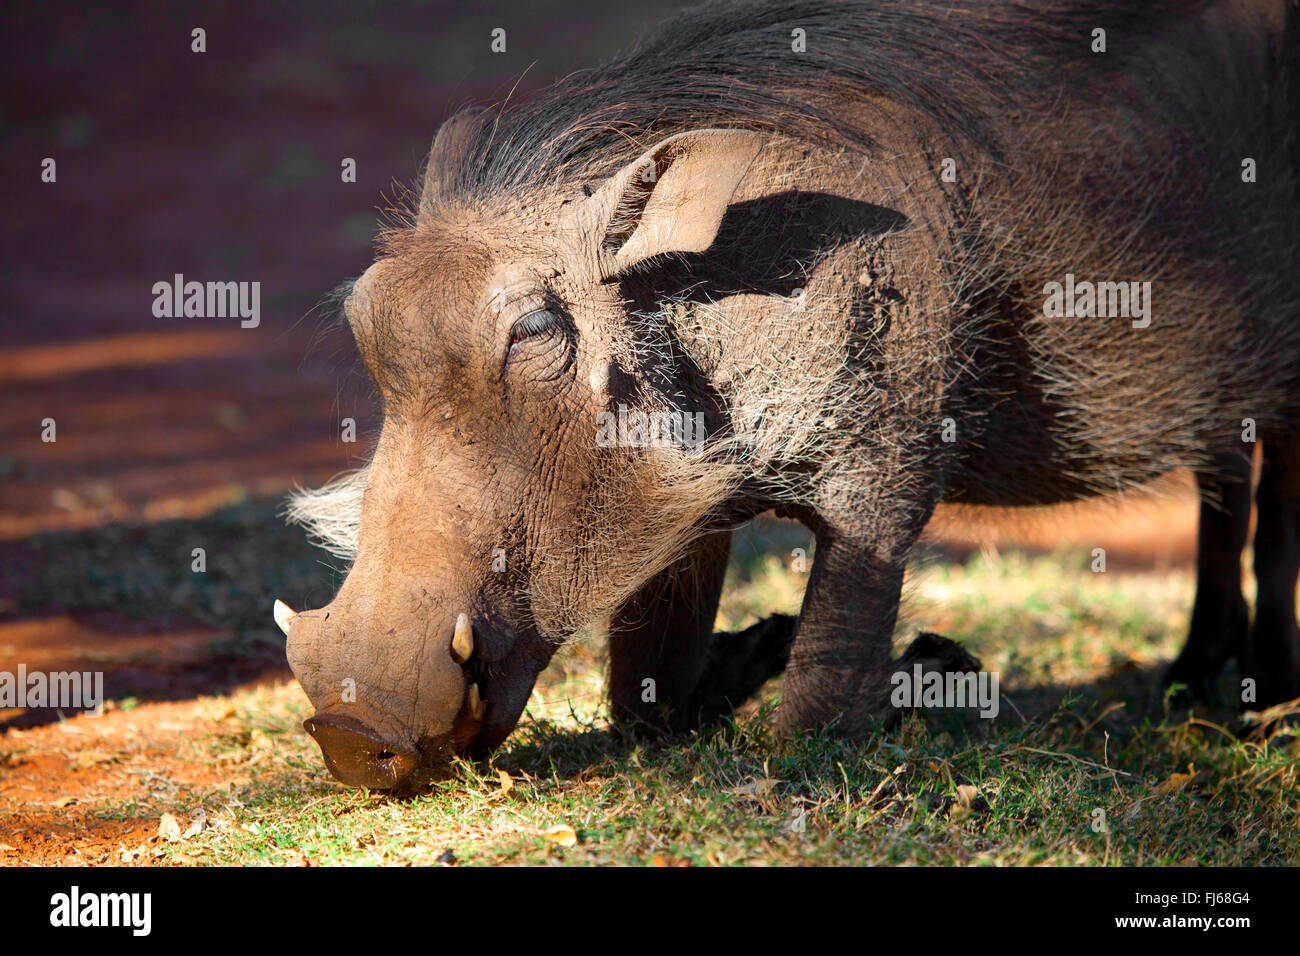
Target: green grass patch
[{"x": 1084, "y": 765}]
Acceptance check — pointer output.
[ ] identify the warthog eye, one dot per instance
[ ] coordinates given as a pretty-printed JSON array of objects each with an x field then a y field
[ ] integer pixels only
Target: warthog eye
[{"x": 533, "y": 324}]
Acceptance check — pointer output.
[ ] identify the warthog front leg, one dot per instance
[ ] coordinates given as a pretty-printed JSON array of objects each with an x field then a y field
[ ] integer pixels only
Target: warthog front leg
[
  {"x": 659, "y": 640},
  {"x": 740, "y": 662},
  {"x": 669, "y": 671},
  {"x": 840, "y": 668}
]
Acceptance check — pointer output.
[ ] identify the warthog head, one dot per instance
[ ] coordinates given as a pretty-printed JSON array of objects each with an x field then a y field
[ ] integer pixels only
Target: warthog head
[{"x": 491, "y": 523}]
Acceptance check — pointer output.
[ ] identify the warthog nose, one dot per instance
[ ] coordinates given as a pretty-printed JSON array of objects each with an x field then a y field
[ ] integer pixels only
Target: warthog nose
[{"x": 359, "y": 756}]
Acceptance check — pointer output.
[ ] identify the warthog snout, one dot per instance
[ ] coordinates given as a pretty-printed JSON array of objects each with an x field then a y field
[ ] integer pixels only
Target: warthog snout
[
  {"x": 359, "y": 756},
  {"x": 426, "y": 711}
]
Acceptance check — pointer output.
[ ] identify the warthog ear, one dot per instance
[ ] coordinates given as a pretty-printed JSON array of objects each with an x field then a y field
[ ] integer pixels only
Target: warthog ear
[
  {"x": 446, "y": 154},
  {"x": 671, "y": 198}
]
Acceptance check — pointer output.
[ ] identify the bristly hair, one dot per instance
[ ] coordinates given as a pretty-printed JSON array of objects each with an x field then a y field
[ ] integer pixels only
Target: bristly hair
[
  {"x": 731, "y": 64},
  {"x": 332, "y": 513},
  {"x": 963, "y": 64}
]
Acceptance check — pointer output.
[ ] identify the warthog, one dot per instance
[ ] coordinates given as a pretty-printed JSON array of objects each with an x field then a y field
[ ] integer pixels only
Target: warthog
[{"x": 838, "y": 236}]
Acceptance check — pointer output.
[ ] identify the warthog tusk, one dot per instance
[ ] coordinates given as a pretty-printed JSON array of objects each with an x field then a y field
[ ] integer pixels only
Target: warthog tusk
[
  {"x": 284, "y": 616},
  {"x": 476, "y": 706},
  {"x": 462, "y": 645}
]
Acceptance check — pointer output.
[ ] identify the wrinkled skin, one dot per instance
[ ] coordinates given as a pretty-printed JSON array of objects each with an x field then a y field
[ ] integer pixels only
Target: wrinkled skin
[
  {"x": 499, "y": 437},
  {"x": 874, "y": 362}
]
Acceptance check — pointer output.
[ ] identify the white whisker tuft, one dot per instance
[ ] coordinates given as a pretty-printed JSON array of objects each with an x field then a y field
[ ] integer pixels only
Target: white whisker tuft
[{"x": 332, "y": 513}]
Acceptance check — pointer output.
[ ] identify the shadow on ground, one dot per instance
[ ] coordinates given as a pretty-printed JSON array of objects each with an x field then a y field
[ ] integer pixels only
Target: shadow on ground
[
  {"x": 1123, "y": 706},
  {"x": 167, "y": 611}
]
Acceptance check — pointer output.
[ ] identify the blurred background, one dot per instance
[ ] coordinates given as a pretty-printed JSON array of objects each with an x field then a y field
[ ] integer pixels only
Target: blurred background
[{"x": 182, "y": 433}]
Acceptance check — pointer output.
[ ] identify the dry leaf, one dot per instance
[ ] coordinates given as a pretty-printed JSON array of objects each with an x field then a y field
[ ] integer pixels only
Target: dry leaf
[
  {"x": 198, "y": 823},
  {"x": 506, "y": 783},
  {"x": 1176, "y": 781},
  {"x": 967, "y": 802},
  {"x": 89, "y": 758},
  {"x": 755, "y": 789},
  {"x": 562, "y": 835},
  {"x": 64, "y": 801},
  {"x": 169, "y": 828}
]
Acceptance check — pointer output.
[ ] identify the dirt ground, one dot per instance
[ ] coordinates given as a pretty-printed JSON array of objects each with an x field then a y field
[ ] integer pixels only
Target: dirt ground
[
  {"x": 122, "y": 757},
  {"x": 174, "y": 434}
]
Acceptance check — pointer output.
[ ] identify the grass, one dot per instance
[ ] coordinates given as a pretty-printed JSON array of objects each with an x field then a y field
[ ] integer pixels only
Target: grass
[{"x": 1084, "y": 765}]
